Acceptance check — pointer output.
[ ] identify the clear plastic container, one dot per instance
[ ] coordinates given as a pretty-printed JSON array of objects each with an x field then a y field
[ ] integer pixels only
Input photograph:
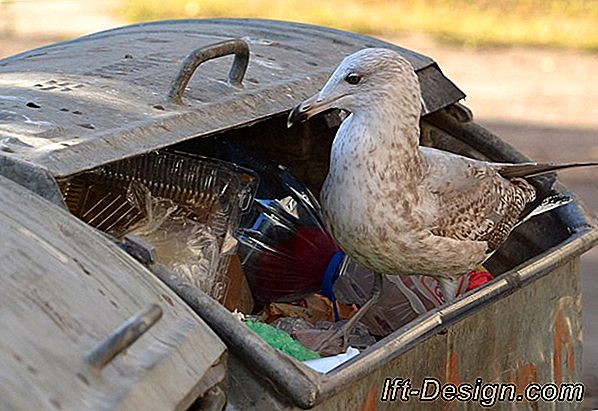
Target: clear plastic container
[
  {"x": 283, "y": 246},
  {"x": 188, "y": 207}
]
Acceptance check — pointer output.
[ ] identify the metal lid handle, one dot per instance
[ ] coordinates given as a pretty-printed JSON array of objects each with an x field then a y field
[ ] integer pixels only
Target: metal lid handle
[
  {"x": 235, "y": 76},
  {"x": 123, "y": 336}
]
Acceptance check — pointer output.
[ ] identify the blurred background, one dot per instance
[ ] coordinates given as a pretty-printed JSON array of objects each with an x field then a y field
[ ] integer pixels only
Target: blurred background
[{"x": 528, "y": 67}]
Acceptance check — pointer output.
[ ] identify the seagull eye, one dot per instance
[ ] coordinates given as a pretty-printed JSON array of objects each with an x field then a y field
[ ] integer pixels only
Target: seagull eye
[{"x": 353, "y": 78}]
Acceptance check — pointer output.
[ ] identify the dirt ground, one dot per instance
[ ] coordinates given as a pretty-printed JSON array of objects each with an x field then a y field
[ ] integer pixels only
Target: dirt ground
[{"x": 542, "y": 101}]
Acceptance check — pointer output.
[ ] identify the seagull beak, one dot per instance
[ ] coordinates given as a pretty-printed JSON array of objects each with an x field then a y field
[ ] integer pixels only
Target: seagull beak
[{"x": 309, "y": 108}]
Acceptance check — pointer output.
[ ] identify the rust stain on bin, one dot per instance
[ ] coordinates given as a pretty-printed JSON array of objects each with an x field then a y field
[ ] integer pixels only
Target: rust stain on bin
[
  {"x": 370, "y": 401},
  {"x": 452, "y": 371},
  {"x": 452, "y": 375},
  {"x": 563, "y": 346},
  {"x": 526, "y": 374}
]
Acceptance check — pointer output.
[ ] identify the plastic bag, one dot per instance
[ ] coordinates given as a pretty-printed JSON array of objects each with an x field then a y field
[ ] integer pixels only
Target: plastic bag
[
  {"x": 403, "y": 298},
  {"x": 313, "y": 335},
  {"x": 187, "y": 247},
  {"x": 285, "y": 251},
  {"x": 282, "y": 341}
]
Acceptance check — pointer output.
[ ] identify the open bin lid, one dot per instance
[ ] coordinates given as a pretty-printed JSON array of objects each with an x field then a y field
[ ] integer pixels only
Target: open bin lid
[
  {"x": 76, "y": 105},
  {"x": 65, "y": 290}
]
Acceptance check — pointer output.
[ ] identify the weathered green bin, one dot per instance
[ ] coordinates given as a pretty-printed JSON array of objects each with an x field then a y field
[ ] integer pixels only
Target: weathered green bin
[{"x": 74, "y": 106}]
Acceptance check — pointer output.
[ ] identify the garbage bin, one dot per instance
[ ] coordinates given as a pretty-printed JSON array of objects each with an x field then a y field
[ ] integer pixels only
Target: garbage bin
[
  {"x": 79, "y": 105},
  {"x": 86, "y": 327}
]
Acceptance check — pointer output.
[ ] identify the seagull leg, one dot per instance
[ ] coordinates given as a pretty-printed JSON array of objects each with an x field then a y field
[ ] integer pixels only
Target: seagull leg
[
  {"x": 344, "y": 330},
  {"x": 449, "y": 288}
]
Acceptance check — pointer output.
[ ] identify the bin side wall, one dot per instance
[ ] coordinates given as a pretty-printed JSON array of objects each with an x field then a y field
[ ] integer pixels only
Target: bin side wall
[{"x": 531, "y": 336}]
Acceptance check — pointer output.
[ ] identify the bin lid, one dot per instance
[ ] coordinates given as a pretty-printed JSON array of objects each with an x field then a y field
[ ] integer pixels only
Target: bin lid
[
  {"x": 60, "y": 300},
  {"x": 73, "y": 106}
]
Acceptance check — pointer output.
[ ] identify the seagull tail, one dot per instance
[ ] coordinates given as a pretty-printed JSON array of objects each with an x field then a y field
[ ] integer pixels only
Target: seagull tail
[
  {"x": 534, "y": 169},
  {"x": 549, "y": 203}
]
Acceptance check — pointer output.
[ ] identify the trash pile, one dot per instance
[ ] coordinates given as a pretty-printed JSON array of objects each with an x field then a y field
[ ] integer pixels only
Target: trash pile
[
  {"x": 301, "y": 283},
  {"x": 248, "y": 233}
]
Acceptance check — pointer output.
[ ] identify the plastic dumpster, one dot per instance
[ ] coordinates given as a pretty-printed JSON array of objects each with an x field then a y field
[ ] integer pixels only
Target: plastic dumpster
[{"x": 73, "y": 107}]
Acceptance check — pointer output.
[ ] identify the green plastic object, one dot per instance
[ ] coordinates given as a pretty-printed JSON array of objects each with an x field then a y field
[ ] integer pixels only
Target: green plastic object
[{"x": 282, "y": 341}]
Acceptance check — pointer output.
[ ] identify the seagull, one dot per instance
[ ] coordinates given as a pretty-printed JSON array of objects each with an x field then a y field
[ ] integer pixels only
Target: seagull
[{"x": 399, "y": 208}]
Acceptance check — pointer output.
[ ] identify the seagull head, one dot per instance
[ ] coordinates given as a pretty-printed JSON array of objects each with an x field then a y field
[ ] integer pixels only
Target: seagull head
[{"x": 363, "y": 80}]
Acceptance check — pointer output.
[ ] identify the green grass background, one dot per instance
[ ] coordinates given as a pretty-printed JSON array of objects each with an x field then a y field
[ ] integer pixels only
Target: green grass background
[{"x": 557, "y": 23}]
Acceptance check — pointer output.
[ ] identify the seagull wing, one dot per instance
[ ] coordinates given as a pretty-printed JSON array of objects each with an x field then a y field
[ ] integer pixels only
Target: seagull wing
[{"x": 474, "y": 201}]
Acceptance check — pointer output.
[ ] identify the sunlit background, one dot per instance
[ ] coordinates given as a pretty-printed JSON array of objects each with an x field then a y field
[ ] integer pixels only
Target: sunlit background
[
  {"x": 563, "y": 23},
  {"x": 529, "y": 68}
]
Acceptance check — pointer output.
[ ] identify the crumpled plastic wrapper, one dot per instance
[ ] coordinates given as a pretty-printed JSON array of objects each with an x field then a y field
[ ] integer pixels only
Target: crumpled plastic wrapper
[
  {"x": 403, "y": 298},
  {"x": 312, "y": 335},
  {"x": 187, "y": 247}
]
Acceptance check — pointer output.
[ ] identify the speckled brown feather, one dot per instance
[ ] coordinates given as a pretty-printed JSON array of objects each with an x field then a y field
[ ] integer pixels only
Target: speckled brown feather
[
  {"x": 476, "y": 202},
  {"x": 396, "y": 207}
]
